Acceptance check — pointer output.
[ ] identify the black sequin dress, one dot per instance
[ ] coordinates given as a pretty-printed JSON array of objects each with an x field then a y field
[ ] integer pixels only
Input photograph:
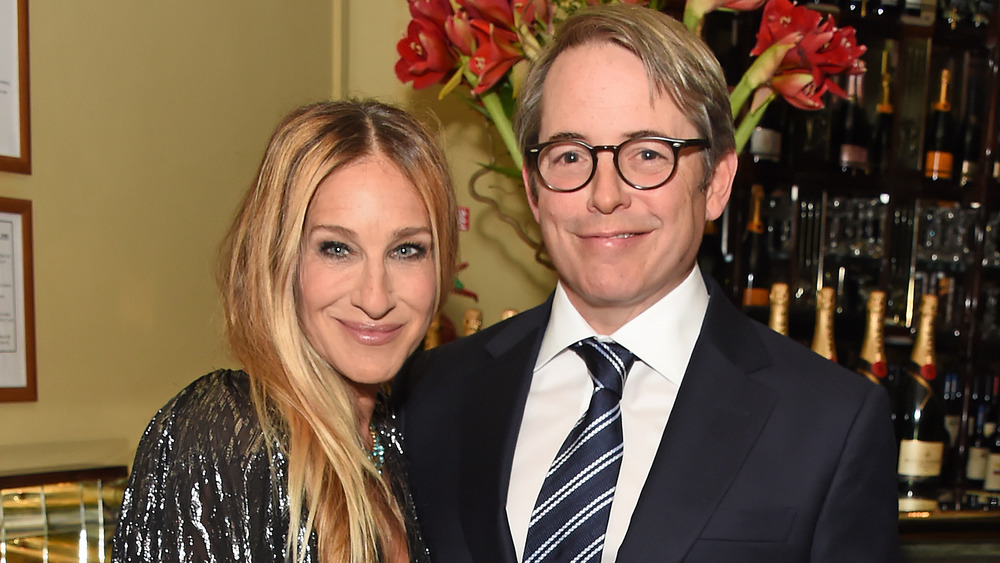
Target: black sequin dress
[{"x": 205, "y": 487}]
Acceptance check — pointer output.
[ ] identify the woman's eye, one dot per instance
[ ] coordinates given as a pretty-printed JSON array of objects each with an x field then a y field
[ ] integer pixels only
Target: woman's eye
[
  {"x": 410, "y": 251},
  {"x": 334, "y": 249}
]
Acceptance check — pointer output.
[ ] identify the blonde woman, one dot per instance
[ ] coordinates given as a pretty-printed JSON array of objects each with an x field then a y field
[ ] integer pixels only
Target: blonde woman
[{"x": 336, "y": 261}]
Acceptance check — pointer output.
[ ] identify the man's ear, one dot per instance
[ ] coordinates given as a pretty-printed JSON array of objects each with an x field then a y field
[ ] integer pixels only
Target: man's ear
[
  {"x": 530, "y": 192},
  {"x": 720, "y": 186}
]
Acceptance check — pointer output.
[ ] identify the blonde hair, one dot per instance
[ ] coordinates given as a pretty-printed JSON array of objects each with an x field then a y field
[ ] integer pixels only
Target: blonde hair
[
  {"x": 295, "y": 392},
  {"x": 677, "y": 63}
]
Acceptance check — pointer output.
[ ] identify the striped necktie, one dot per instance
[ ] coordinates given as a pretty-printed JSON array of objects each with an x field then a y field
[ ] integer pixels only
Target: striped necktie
[{"x": 570, "y": 518}]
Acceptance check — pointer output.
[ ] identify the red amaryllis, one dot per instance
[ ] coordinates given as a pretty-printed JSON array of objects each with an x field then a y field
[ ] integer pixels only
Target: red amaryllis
[
  {"x": 438, "y": 11},
  {"x": 458, "y": 29},
  {"x": 530, "y": 11},
  {"x": 425, "y": 56},
  {"x": 497, "y": 12},
  {"x": 498, "y": 51},
  {"x": 822, "y": 51}
]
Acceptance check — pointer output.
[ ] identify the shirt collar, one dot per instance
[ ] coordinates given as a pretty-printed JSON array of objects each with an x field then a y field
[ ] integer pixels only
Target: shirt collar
[{"x": 663, "y": 336}]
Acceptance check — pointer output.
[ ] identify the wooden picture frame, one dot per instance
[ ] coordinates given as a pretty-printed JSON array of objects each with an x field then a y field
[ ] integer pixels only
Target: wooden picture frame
[
  {"x": 15, "y": 105},
  {"x": 18, "y": 381}
]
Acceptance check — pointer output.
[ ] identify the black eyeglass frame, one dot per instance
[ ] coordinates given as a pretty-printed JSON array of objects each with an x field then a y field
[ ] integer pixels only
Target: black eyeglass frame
[{"x": 676, "y": 145}]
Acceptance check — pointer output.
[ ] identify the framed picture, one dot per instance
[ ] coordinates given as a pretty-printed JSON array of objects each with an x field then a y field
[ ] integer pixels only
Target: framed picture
[
  {"x": 15, "y": 126},
  {"x": 17, "y": 303}
]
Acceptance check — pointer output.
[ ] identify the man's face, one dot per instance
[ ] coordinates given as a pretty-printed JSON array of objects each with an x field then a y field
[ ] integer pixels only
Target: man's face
[{"x": 618, "y": 250}]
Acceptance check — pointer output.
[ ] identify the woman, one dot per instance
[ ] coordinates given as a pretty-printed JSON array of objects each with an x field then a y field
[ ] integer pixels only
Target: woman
[{"x": 337, "y": 260}]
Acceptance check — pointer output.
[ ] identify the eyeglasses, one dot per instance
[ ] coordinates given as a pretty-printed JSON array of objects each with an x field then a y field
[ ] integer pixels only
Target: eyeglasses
[{"x": 645, "y": 163}]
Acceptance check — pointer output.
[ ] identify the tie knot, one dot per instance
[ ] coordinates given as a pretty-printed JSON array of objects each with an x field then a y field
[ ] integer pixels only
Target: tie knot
[{"x": 608, "y": 363}]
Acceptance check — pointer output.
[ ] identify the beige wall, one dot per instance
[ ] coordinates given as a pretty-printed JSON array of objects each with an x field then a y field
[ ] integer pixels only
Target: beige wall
[{"x": 148, "y": 119}]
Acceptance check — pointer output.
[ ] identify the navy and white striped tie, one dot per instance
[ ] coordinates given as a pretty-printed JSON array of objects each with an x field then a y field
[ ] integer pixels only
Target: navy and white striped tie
[{"x": 570, "y": 518}]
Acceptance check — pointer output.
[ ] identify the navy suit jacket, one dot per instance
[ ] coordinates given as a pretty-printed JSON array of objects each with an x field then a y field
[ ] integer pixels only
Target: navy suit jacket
[{"x": 771, "y": 453}]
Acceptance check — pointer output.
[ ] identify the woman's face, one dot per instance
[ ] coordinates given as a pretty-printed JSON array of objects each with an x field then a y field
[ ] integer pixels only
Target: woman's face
[{"x": 367, "y": 278}]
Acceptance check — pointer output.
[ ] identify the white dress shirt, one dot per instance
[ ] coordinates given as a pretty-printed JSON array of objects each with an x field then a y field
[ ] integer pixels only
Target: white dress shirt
[{"x": 662, "y": 338}]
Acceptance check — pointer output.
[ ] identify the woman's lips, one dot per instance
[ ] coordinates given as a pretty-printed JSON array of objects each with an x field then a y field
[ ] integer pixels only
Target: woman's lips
[{"x": 372, "y": 334}]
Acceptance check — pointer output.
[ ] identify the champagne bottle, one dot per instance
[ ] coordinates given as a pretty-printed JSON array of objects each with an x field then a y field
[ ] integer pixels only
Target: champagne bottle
[
  {"x": 855, "y": 135},
  {"x": 938, "y": 155},
  {"x": 970, "y": 147},
  {"x": 858, "y": 8},
  {"x": 920, "y": 420},
  {"x": 884, "y": 8},
  {"x": 872, "y": 362},
  {"x": 823, "y": 343},
  {"x": 766, "y": 139},
  {"x": 880, "y": 149},
  {"x": 755, "y": 259},
  {"x": 978, "y": 452},
  {"x": 778, "y": 320}
]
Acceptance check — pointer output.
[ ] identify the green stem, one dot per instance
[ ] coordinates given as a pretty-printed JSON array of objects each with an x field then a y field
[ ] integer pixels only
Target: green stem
[
  {"x": 749, "y": 122},
  {"x": 494, "y": 109},
  {"x": 740, "y": 94}
]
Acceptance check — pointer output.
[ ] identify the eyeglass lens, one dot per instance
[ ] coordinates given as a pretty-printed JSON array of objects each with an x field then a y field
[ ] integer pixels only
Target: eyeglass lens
[{"x": 644, "y": 163}]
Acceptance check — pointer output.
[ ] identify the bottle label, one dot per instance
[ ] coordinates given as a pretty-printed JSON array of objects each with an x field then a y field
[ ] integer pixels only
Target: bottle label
[
  {"x": 765, "y": 144},
  {"x": 919, "y": 458},
  {"x": 938, "y": 165},
  {"x": 989, "y": 428},
  {"x": 992, "y": 482},
  {"x": 853, "y": 156},
  {"x": 917, "y": 505},
  {"x": 975, "y": 468},
  {"x": 951, "y": 424}
]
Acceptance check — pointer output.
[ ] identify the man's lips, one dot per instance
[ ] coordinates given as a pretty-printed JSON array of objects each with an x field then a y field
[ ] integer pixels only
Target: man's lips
[{"x": 372, "y": 334}]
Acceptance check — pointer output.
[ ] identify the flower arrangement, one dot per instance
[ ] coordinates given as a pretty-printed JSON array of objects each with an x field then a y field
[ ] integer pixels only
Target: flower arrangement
[{"x": 484, "y": 47}]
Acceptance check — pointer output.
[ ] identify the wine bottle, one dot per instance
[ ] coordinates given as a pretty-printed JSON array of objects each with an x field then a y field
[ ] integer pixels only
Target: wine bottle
[
  {"x": 938, "y": 155},
  {"x": 993, "y": 410},
  {"x": 978, "y": 452},
  {"x": 884, "y": 8},
  {"x": 952, "y": 395},
  {"x": 855, "y": 136},
  {"x": 823, "y": 342},
  {"x": 766, "y": 139},
  {"x": 880, "y": 149},
  {"x": 991, "y": 482},
  {"x": 857, "y": 8},
  {"x": 778, "y": 320},
  {"x": 756, "y": 262},
  {"x": 970, "y": 147},
  {"x": 920, "y": 420},
  {"x": 711, "y": 260},
  {"x": 872, "y": 361}
]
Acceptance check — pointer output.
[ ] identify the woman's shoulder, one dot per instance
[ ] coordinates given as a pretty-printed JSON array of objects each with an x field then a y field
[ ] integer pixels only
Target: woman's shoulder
[{"x": 214, "y": 412}]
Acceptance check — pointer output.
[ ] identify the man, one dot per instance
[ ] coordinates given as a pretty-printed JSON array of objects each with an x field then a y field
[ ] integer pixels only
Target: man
[{"x": 739, "y": 444}]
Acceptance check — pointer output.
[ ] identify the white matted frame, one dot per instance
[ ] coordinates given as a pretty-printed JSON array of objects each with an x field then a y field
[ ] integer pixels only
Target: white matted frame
[
  {"x": 15, "y": 106},
  {"x": 18, "y": 381}
]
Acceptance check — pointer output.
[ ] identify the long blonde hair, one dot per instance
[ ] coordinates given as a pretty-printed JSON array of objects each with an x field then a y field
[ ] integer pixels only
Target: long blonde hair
[{"x": 296, "y": 393}]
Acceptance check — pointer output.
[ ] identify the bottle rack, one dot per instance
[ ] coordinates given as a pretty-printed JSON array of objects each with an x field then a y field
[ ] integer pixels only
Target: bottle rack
[{"x": 895, "y": 230}]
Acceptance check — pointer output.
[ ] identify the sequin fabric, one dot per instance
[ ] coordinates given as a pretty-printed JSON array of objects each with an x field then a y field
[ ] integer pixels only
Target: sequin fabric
[{"x": 205, "y": 487}]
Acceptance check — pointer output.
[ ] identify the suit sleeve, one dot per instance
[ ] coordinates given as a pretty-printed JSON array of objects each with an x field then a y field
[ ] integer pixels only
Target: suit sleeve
[{"x": 859, "y": 520}]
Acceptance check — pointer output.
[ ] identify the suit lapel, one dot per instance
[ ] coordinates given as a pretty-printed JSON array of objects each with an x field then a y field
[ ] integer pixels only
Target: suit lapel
[
  {"x": 718, "y": 414},
  {"x": 496, "y": 393}
]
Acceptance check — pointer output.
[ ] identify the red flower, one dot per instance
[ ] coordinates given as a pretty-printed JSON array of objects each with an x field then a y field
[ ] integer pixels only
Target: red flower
[
  {"x": 530, "y": 11},
  {"x": 497, "y": 12},
  {"x": 438, "y": 11},
  {"x": 458, "y": 28},
  {"x": 498, "y": 51},
  {"x": 425, "y": 56},
  {"x": 823, "y": 50}
]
